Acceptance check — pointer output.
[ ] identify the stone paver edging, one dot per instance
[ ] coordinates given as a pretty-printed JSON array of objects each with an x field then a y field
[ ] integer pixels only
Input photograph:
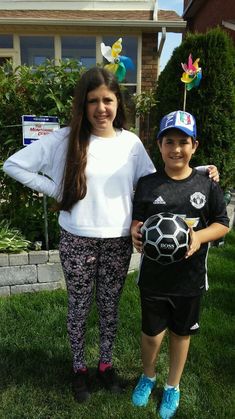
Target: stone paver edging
[{"x": 35, "y": 271}]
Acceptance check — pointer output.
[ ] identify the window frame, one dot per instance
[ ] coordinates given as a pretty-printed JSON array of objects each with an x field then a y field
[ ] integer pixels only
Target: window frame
[{"x": 15, "y": 53}]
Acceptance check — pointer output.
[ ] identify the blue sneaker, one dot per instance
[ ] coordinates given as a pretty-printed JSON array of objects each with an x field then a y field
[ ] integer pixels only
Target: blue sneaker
[
  {"x": 170, "y": 403},
  {"x": 142, "y": 391}
]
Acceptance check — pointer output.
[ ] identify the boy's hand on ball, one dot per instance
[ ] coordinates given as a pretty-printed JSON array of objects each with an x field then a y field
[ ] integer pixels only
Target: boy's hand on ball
[
  {"x": 136, "y": 235},
  {"x": 195, "y": 244}
]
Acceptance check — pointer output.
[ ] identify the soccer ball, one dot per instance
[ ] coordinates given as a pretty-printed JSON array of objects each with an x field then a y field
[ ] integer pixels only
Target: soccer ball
[{"x": 165, "y": 238}]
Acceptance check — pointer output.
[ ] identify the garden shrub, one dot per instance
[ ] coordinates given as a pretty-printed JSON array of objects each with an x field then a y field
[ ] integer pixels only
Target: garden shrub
[
  {"x": 212, "y": 103},
  {"x": 43, "y": 90},
  {"x": 11, "y": 239}
]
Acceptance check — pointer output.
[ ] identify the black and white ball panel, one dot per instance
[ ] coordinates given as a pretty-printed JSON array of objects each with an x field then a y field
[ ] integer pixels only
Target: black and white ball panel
[{"x": 165, "y": 238}]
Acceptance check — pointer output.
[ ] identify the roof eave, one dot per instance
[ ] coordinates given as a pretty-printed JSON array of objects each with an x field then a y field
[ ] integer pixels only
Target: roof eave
[
  {"x": 171, "y": 26},
  {"x": 192, "y": 8}
]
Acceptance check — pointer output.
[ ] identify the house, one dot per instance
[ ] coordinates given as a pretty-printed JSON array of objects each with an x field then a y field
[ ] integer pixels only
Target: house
[
  {"x": 32, "y": 31},
  {"x": 202, "y": 15}
]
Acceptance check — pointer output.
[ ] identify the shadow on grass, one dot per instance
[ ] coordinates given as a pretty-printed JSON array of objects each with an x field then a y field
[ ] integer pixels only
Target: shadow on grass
[
  {"x": 38, "y": 369},
  {"x": 35, "y": 366}
]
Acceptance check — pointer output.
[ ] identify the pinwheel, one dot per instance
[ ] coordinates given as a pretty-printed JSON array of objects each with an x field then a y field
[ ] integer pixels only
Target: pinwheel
[
  {"x": 192, "y": 73},
  {"x": 118, "y": 63},
  {"x": 191, "y": 77}
]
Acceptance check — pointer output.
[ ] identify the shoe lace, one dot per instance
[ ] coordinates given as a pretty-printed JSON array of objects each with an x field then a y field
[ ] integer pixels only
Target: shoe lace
[
  {"x": 170, "y": 396},
  {"x": 143, "y": 386}
]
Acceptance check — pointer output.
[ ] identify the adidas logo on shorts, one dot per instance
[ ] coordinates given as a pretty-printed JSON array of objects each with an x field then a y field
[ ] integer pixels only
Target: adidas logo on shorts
[{"x": 195, "y": 326}]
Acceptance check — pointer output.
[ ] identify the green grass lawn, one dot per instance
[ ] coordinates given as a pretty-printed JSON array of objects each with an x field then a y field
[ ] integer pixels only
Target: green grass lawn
[{"x": 35, "y": 360}]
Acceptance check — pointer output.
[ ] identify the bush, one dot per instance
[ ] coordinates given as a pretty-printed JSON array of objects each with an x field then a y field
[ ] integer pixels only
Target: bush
[
  {"x": 11, "y": 239},
  {"x": 212, "y": 103},
  {"x": 43, "y": 90}
]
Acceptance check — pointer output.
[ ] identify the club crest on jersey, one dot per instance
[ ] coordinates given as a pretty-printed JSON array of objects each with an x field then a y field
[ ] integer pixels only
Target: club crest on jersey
[{"x": 198, "y": 200}]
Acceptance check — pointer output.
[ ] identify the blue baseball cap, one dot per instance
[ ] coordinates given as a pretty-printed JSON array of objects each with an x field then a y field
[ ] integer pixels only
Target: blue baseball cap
[{"x": 181, "y": 120}]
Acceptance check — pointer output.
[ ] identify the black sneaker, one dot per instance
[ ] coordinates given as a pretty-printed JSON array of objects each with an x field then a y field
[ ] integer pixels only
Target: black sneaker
[
  {"x": 81, "y": 386},
  {"x": 109, "y": 380}
]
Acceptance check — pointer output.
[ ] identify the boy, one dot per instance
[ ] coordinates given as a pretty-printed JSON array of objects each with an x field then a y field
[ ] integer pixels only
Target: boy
[{"x": 171, "y": 294}]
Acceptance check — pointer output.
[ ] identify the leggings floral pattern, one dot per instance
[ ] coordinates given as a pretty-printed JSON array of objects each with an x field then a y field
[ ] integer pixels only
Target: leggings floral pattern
[{"x": 93, "y": 264}]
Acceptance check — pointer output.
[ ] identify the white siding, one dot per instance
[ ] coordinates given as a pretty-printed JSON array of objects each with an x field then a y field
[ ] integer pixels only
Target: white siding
[{"x": 78, "y": 5}]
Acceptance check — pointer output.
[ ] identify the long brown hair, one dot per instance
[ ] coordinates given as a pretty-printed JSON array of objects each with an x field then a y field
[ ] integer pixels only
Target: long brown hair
[{"x": 74, "y": 180}]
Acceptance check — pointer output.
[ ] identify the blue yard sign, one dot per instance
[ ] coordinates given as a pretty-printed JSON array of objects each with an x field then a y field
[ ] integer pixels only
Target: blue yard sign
[{"x": 34, "y": 127}]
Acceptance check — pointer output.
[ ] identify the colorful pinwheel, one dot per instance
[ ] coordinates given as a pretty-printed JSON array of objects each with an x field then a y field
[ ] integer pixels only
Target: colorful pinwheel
[
  {"x": 192, "y": 73},
  {"x": 118, "y": 63}
]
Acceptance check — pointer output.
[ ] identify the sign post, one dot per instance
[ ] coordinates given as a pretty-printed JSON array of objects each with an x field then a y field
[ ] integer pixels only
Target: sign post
[{"x": 33, "y": 128}]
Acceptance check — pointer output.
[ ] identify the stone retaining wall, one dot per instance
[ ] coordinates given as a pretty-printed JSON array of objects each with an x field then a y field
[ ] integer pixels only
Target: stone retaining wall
[
  {"x": 36, "y": 271},
  {"x": 231, "y": 211}
]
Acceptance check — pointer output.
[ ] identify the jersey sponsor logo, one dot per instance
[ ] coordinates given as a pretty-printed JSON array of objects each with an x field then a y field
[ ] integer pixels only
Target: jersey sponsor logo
[
  {"x": 191, "y": 222},
  {"x": 159, "y": 200},
  {"x": 198, "y": 200},
  {"x": 194, "y": 327}
]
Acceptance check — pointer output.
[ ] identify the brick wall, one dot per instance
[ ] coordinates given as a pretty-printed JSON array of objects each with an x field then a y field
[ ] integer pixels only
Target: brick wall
[
  {"x": 210, "y": 14},
  {"x": 149, "y": 61},
  {"x": 148, "y": 79}
]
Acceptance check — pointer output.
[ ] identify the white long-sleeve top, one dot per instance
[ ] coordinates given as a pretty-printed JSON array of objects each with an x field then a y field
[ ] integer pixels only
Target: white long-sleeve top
[{"x": 114, "y": 166}]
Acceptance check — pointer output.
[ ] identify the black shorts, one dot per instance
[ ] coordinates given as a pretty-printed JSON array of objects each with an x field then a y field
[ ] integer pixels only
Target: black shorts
[{"x": 178, "y": 314}]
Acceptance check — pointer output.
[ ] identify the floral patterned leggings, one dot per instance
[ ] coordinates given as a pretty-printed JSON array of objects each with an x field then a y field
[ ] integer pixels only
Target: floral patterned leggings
[{"x": 90, "y": 263}]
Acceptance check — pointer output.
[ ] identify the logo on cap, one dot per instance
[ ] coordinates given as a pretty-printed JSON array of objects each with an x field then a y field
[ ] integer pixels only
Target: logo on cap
[{"x": 181, "y": 120}]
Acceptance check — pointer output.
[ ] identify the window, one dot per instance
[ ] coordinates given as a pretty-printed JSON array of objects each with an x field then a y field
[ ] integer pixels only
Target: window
[
  {"x": 6, "y": 41},
  {"x": 36, "y": 49},
  {"x": 80, "y": 48}
]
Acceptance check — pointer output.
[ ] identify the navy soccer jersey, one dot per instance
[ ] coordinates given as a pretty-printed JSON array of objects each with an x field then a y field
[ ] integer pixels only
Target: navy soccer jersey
[{"x": 200, "y": 202}]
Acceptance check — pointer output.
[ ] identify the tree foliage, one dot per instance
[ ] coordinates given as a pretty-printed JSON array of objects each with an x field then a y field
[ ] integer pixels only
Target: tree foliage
[
  {"x": 43, "y": 90},
  {"x": 212, "y": 103}
]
